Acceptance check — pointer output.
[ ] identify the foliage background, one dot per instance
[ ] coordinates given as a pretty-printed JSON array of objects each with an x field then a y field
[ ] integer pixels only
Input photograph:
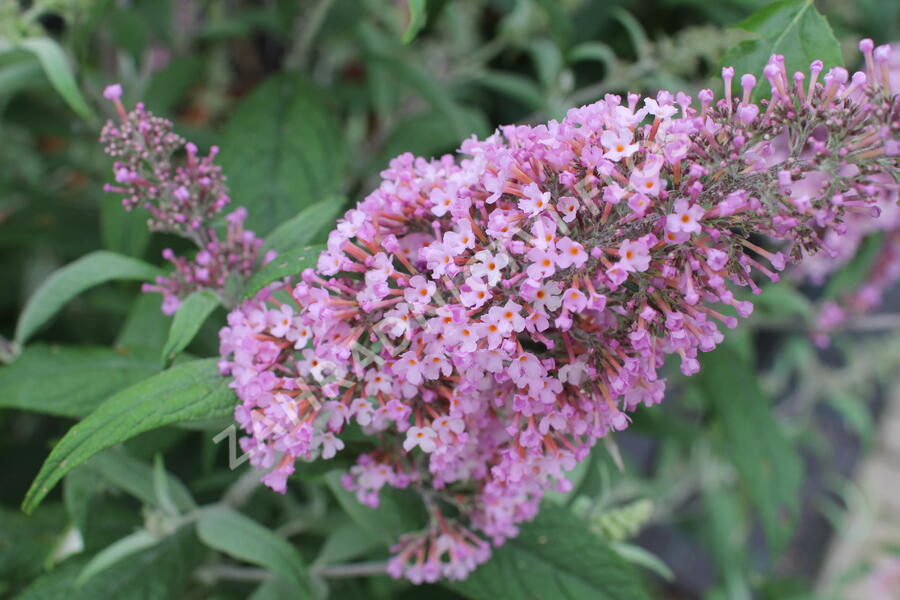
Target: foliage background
[{"x": 729, "y": 490}]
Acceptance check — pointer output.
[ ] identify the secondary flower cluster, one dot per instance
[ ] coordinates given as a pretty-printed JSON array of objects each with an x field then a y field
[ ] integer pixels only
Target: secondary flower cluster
[
  {"x": 485, "y": 320},
  {"x": 844, "y": 243},
  {"x": 180, "y": 199}
]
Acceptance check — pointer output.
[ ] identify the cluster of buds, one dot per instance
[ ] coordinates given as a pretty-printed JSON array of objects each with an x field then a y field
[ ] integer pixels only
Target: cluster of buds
[
  {"x": 843, "y": 243},
  {"x": 213, "y": 265},
  {"x": 180, "y": 199},
  {"x": 486, "y": 320}
]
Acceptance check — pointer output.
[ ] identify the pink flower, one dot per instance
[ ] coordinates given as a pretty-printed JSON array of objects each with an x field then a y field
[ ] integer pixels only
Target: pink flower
[
  {"x": 543, "y": 263},
  {"x": 423, "y": 437},
  {"x": 420, "y": 290},
  {"x": 686, "y": 217},
  {"x": 489, "y": 266},
  {"x": 568, "y": 208},
  {"x": 574, "y": 300},
  {"x": 570, "y": 253},
  {"x": 634, "y": 256},
  {"x": 535, "y": 201},
  {"x": 618, "y": 144},
  {"x": 330, "y": 445},
  {"x": 645, "y": 184},
  {"x": 474, "y": 293}
]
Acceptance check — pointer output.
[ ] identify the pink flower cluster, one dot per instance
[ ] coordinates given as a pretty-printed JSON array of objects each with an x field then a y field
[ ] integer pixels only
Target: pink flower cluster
[
  {"x": 842, "y": 244},
  {"x": 181, "y": 199},
  {"x": 485, "y": 320}
]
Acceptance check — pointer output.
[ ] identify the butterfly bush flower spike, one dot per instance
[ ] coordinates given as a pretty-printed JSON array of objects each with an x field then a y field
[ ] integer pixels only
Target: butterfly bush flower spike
[
  {"x": 180, "y": 199},
  {"x": 487, "y": 318}
]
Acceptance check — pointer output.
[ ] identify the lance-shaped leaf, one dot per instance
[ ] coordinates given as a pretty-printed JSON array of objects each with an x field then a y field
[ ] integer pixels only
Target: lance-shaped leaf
[
  {"x": 191, "y": 315},
  {"x": 66, "y": 283},
  {"x": 244, "y": 539},
  {"x": 187, "y": 392},
  {"x": 69, "y": 381},
  {"x": 290, "y": 262}
]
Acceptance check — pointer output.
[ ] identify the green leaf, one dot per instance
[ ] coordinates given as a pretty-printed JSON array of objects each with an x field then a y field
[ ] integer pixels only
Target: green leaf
[
  {"x": 79, "y": 488},
  {"x": 158, "y": 573},
  {"x": 548, "y": 61},
  {"x": 161, "y": 492},
  {"x": 56, "y": 66},
  {"x": 123, "y": 231},
  {"x": 621, "y": 523},
  {"x": 274, "y": 588},
  {"x": 191, "y": 315},
  {"x": 136, "y": 477},
  {"x": 172, "y": 83},
  {"x": 189, "y": 391},
  {"x": 66, "y": 283},
  {"x": 416, "y": 20},
  {"x": 311, "y": 225},
  {"x": 793, "y": 28},
  {"x": 783, "y": 299},
  {"x": 554, "y": 556},
  {"x": 69, "y": 381},
  {"x": 643, "y": 558},
  {"x": 519, "y": 88},
  {"x": 345, "y": 542},
  {"x": 244, "y": 539},
  {"x": 597, "y": 51},
  {"x": 282, "y": 151},
  {"x": 27, "y": 542},
  {"x": 428, "y": 134},
  {"x": 290, "y": 262},
  {"x": 399, "y": 511},
  {"x": 146, "y": 328},
  {"x": 852, "y": 275},
  {"x": 429, "y": 89},
  {"x": 768, "y": 464},
  {"x": 116, "y": 552}
]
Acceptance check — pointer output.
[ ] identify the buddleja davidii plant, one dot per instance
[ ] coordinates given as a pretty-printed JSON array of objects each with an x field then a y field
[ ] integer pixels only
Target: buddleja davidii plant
[
  {"x": 486, "y": 321},
  {"x": 519, "y": 303}
]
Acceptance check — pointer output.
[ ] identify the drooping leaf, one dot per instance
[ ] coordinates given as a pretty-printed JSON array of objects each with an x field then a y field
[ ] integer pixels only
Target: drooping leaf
[
  {"x": 158, "y": 573},
  {"x": 554, "y": 556},
  {"x": 429, "y": 134},
  {"x": 191, "y": 315},
  {"x": 146, "y": 328},
  {"x": 116, "y": 552},
  {"x": 120, "y": 469},
  {"x": 638, "y": 556},
  {"x": 123, "y": 231},
  {"x": 244, "y": 539},
  {"x": 398, "y": 512},
  {"x": 519, "y": 88},
  {"x": 190, "y": 391},
  {"x": 274, "y": 588},
  {"x": 429, "y": 89},
  {"x": 289, "y": 262},
  {"x": 66, "y": 283},
  {"x": 282, "y": 151},
  {"x": 311, "y": 225},
  {"x": 345, "y": 542},
  {"x": 69, "y": 381},
  {"x": 26, "y": 542},
  {"x": 79, "y": 488},
  {"x": 793, "y": 28},
  {"x": 416, "y": 9},
  {"x": 768, "y": 464},
  {"x": 58, "y": 70}
]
